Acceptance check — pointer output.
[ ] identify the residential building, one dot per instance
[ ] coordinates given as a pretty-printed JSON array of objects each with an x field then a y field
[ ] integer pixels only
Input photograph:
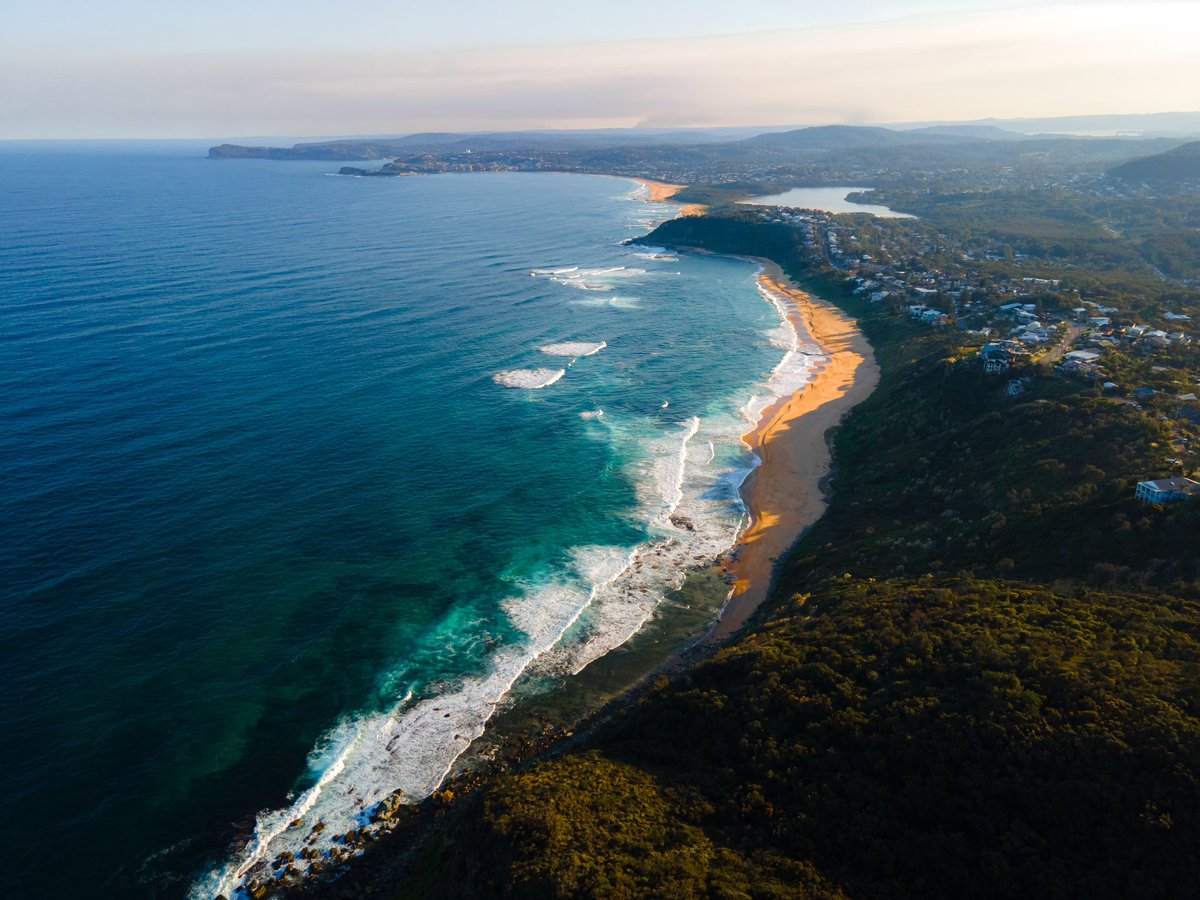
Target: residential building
[{"x": 1167, "y": 490}]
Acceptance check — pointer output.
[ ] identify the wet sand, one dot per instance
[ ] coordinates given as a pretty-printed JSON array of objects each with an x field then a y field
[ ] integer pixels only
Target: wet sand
[
  {"x": 661, "y": 192},
  {"x": 785, "y": 495}
]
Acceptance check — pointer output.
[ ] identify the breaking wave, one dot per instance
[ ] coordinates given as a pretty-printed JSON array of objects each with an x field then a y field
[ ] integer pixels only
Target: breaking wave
[
  {"x": 590, "y": 279},
  {"x": 574, "y": 348},
  {"x": 529, "y": 379},
  {"x": 689, "y": 508}
]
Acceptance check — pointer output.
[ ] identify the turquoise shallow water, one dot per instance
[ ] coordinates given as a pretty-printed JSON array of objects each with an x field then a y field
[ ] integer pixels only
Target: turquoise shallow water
[{"x": 275, "y": 534}]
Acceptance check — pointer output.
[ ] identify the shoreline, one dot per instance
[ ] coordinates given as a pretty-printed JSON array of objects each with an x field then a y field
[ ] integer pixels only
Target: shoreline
[
  {"x": 784, "y": 495},
  {"x": 662, "y": 192},
  {"x": 788, "y": 492}
]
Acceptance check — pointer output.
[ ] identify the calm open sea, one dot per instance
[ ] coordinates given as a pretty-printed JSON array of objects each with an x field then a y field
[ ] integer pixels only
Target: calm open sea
[{"x": 299, "y": 473}]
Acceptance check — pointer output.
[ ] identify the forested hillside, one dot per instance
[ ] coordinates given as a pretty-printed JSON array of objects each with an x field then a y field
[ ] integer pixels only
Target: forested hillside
[{"x": 904, "y": 739}]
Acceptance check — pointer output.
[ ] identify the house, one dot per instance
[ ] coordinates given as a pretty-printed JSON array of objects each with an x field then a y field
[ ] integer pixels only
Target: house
[
  {"x": 928, "y": 314},
  {"x": 1167, "y": 490},
  {"x": 1033, "y": 334},
  {"x": 997, "y": 357},
  {"x": 1018, "y": 386},
  {"x": 1075, "y": 367}
]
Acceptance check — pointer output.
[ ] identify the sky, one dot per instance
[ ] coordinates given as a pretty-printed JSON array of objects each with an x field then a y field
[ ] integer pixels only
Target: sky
[{"x": 224, "y": 69}]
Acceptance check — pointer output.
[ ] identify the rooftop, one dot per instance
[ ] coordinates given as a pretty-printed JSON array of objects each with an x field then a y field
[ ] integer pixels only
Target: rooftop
[{"x": 1179, "y": 483}]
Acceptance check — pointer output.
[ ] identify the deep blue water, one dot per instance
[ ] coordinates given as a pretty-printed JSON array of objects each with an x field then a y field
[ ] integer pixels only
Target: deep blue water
[{"x": 265, "y": 510}]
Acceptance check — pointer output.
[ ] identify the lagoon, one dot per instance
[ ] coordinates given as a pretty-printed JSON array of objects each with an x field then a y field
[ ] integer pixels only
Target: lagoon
[{"x": 827, "y": 199}]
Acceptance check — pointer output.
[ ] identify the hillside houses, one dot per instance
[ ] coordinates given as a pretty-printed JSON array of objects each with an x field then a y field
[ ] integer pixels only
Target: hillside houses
[
  {"x": 928, "y": 315},
  {"x": 1167, "y": 490},
  {"x": 999, "y": 356},
  {"x": 1034, "y": 333},
  {"x": 917, "y": 275}
]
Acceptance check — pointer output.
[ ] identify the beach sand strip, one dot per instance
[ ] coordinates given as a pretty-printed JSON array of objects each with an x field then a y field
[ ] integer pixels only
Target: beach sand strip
[
  {"x": 661, "y": 192},
  {"x": 785, "y": 495}
]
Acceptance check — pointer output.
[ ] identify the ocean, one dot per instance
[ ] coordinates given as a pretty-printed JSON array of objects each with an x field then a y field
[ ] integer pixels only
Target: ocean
[{"x": 300, "y": 474}]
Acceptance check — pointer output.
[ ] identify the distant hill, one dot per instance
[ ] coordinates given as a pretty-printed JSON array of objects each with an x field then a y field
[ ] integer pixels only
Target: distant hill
[
  {"x": 387, "y": 148},
  {"x": 853, "y": 137},
  {"x": 978, "y": 132},
  {"x": 1169, "y": 124},
  {"x": 1178, "y": 166},
  {"x": 340, "y": 150}
]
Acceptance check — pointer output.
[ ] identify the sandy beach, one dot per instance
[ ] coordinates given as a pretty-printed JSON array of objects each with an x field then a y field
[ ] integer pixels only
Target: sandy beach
[
  {"x": 785, "y": 494},
  {"x": 661, "y": 192}
]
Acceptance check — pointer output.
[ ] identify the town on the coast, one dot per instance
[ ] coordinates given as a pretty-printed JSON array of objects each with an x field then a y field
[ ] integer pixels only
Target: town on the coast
[{"x": 1025, "y": 326}]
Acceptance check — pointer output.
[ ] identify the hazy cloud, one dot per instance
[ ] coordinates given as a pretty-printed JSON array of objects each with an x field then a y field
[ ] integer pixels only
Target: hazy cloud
[{"x": 1091, "y": 58}]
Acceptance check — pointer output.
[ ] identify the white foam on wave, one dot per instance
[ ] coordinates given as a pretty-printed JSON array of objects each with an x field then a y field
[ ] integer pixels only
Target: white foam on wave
[
  {"x": 413, "y": 746},
  {"x": 800, "y": 363},
  {"x": 574, "y": 348},
  {"x": 529, "y": 379},
  {"x": 272, "y": 825},
  {"x": 616, "y": 302},
  {"x": 592, "y": 414},
  {"x": 603, "y": 596},
  {"x": 409, "y": 748},
  {"x": 602, "y": 279},
  {"x": 669, "y": 471},
  {"x": 690, "y": 489},
  {"x": 689, "y": 484},
  {"x": 692, "y": 514}
]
